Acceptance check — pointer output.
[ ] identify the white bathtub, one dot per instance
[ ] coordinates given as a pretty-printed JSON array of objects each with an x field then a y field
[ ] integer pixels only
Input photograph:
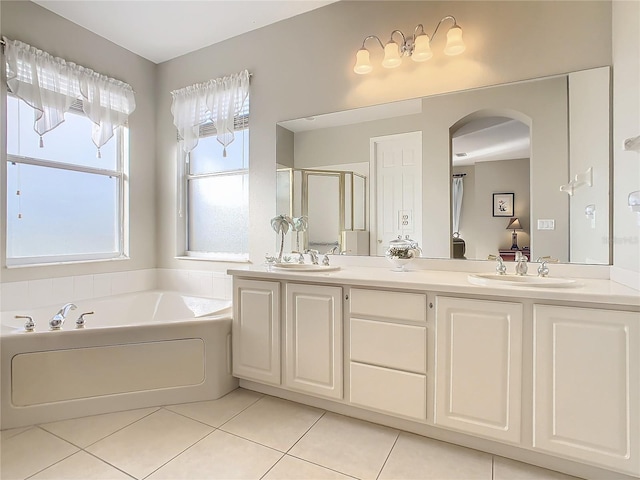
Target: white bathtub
[{"x": 136, "y": 350}]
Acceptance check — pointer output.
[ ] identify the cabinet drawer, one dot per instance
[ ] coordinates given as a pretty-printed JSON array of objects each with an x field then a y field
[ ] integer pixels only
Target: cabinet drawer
[
  {"x": 391, "y": 305},
  {"x": 389, "y": 345},
  {"x": 390, "y": 391}
]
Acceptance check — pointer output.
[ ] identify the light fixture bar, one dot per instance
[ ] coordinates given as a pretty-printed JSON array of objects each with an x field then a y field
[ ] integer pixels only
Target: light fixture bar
[{"x": 416, "y": 46}]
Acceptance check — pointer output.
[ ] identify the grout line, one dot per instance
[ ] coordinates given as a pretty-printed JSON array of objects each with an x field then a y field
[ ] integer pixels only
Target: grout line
[
  {"x": 307, "y": 431},
  {"x": 271, "y": 467},
  {"x": 388, "y": 455},
  {"x": 177, "y": 455},
  {"x": 54, "y": 463},
  {"x": 320, "y": 465},
  {"x": 110, "y": 464},
  {"x": 252, "y": 441}
]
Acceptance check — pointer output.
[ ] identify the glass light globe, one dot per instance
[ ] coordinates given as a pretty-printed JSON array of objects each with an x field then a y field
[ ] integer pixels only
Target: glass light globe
[
  {"x": 422, "y": 49},
  {"x": 455, "y": 44},
  {"x": 363, "y": 65},
  {"x": 391, "y": 55}
]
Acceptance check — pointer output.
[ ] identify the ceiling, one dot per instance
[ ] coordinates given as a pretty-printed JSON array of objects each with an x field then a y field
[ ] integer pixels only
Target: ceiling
[{"x": 160, "y": 30}]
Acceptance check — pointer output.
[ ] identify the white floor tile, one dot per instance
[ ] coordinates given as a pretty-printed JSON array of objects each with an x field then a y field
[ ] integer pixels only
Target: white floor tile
[
  {"x": 81, "y": 466},
  {"x": 347, "y": 445},
  {"x": 144, "y": 446},
  {"x": 87, "y": 430},
  {"x": 292, "y": 468},
  {"x": 273, "y": 422},
  {"x": 12, "y": 432},
  {"x": 416, "y": 457},
  {"x": 505, "y": 469},
  {"x": 217, "y": 412},
  {"x": 220, "y": 456},
  {"x": 31, "y": 451}
]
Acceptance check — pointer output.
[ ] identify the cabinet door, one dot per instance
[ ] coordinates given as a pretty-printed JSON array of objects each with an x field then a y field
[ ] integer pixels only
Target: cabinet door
[
  {"x": 256, "y": 330},
  {"x": 587, "y": 370},
  {"x": 313, "y": 359},
  {"x": 479, "y": 367}
]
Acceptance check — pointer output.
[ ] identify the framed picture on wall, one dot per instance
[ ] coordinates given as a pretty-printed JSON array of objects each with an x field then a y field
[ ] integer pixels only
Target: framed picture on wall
[{"x": 503, "y": 204}]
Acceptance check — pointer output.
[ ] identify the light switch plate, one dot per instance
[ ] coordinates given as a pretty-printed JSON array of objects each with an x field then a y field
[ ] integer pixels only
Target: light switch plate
[{"x": 546, "y": 224}]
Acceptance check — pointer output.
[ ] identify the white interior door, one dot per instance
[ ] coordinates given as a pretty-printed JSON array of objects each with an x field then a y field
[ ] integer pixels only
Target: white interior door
[{"x": 397, "y": 192}]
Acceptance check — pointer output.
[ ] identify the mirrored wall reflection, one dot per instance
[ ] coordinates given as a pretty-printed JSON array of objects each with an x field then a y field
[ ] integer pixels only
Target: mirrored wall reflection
[
  {"x": 334, "y": 203},
  {"x": 517, "y": 143}
]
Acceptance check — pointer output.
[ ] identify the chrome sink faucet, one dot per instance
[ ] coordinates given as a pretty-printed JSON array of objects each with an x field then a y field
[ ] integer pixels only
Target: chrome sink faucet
[
  {"x": 543, "y": 270},
  {"x": 521, "y": 265},
  {"x": 501, "y": 269},
  {"x": 314, "y": 256},
  {"x": 58, "y": 319}
]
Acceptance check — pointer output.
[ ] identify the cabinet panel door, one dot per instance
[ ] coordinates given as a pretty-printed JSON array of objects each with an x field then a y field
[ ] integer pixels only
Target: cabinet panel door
[
  {"x": 587, "y": 369},
  {"x": 479, "y": 367},
  {"x": 313, "y": 359},
  {"x": 256, "y": 330},
  {"x": 391, "y": 391}
]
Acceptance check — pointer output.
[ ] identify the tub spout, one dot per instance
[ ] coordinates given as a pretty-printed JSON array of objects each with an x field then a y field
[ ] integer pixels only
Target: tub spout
[{"x": 58, "y": 319}]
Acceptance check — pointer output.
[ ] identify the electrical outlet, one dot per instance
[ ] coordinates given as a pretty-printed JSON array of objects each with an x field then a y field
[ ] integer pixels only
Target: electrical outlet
[{"x": 546, "y": 224}]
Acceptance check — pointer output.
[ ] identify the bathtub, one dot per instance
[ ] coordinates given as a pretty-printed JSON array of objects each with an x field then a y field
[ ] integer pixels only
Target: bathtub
[{"x": 137, "y": 350}]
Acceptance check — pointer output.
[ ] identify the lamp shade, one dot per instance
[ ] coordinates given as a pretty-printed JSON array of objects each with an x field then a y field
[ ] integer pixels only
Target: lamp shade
[
  {"x": 514, "y": 224},
  {"x": 455, "y": 44},
  {"x": 391, "y": 55},
  {"x": 422, "y": 49},
  {"x": 363, "y": 65}
]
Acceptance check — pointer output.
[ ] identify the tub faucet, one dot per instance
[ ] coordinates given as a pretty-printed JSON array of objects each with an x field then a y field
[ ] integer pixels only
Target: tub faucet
[
  {"x": 314, "y": 256},
  {"x": 58, "y": 319},
  {"x": 521, "y": 266}
]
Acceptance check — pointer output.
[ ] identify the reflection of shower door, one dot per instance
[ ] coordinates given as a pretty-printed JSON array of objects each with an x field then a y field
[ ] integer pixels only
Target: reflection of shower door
[
  {"x": 323, "y": 204},
  {"x": 397, "y": 165}
]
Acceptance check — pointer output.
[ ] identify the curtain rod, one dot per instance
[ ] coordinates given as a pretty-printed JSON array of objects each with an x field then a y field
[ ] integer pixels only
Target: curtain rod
[{"x": 458, "y": 175}]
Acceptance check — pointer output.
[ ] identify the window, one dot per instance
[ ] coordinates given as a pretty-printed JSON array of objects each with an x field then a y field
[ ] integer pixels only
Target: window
[
  {"x": 217, "y": 194},
  {"x": 63, "y": 203}
]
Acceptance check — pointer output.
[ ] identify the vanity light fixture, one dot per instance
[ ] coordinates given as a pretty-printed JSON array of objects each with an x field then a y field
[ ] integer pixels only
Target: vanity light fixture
[
  {"x": 514, "y": 224},
  {"x": 585, "y": 178},
  {"x": 416, "y": 46}
]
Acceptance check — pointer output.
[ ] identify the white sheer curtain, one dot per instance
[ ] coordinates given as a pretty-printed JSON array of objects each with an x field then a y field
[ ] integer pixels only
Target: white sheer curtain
[
  {"x": 51, "y": 85},
  {"x": 457, "y": 192},
  {"x": 219, "y": 101}
]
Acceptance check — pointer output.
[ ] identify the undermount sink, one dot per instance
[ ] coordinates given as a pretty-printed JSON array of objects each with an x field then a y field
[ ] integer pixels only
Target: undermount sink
[
  {"x": 519, "y": 280},
  {"x": 305, "y": 267}
]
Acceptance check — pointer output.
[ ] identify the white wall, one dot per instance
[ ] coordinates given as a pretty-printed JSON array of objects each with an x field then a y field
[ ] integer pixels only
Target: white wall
[
  {"x": 303, "y": 66},
  {"x": 626, "y": 124},
  {"x": 30, "y": 23}
]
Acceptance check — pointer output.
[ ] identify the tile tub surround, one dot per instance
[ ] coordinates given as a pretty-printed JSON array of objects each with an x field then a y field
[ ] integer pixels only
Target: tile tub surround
[
  {"x": 215, "y": 440},
  {"x": 60, "y": 290}
]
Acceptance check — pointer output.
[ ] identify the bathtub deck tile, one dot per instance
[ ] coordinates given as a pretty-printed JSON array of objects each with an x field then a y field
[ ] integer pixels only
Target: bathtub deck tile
[
  {"x": 217, "y": 412},
  {"x": 147, "y": 444},
  {"x": 81, "y": 466},
  {"x": 88, "y": 430},
  {"x": 31, "y": 451}
]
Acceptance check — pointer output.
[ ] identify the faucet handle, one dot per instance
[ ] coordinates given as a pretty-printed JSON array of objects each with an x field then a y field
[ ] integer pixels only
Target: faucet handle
[
  {"x": 29, "y": 324},
  {"x": 543, "y": 270},
  {"x": 325, "y": 260},
  {"x": 81, "y": 321},
  {"x": 501, "y": 267}
]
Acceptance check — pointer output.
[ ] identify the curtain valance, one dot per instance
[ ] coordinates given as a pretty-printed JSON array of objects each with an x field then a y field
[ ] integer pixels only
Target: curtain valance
[
  {"x": 51, "y": 85},
  {"x": 220, "y": 101}
]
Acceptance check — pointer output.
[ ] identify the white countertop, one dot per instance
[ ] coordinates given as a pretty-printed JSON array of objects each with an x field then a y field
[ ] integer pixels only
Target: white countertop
[{"x": 586, "y": 290}]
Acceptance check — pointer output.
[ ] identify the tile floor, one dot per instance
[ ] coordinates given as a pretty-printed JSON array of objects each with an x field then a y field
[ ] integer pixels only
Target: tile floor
[{"x": 242, "y": 435}]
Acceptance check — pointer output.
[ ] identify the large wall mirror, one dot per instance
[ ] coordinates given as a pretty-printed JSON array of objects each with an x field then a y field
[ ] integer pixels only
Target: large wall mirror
[{"x": 453, "y": 172}]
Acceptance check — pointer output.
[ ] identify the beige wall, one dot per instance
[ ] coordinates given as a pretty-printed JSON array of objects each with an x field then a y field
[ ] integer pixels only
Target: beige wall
[
  {"x": 303, "y": 66},
  {"x": 30, "y": 23},
  {"x": 626, "y": 124}
]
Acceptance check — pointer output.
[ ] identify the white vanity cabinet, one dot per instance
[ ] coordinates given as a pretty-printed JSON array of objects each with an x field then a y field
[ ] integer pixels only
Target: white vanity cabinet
[
  {"x": 313, "y": 340},
  {"x": 586, "y": 376},
  {"x": 256, "y": 330},
  {"x": 388, "y": 356},
  {"x": 479, "y": 367}
]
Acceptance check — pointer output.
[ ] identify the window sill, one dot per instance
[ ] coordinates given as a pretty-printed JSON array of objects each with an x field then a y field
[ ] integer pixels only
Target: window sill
[
  {"x": 65, "y": 262},
  {"x": 219, "y": 259}
]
